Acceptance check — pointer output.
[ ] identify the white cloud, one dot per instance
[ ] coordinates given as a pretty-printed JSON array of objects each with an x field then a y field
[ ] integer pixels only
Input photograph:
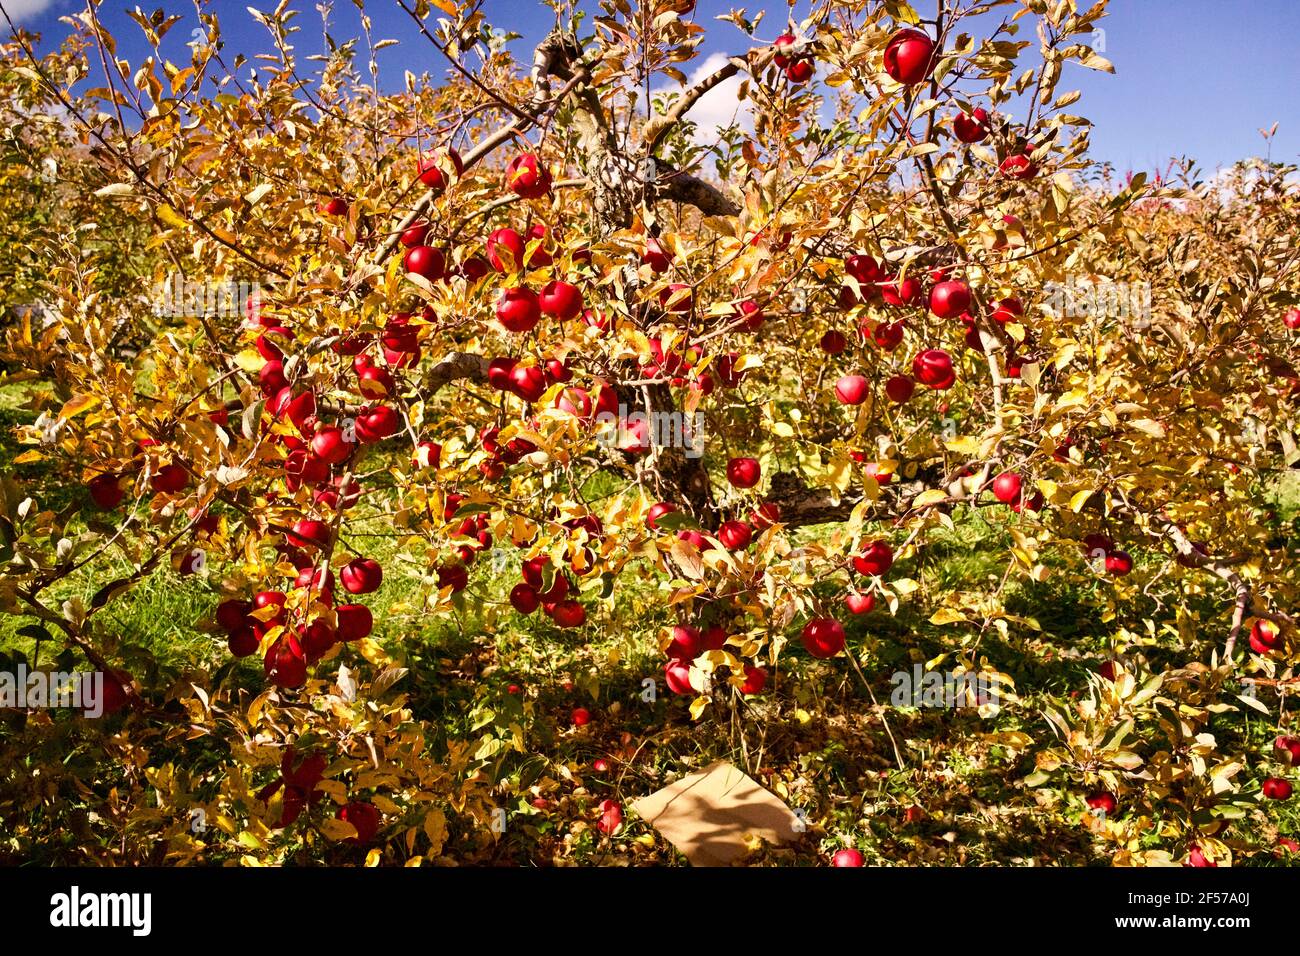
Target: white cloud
[
  {"x": 718, "y": 108},
  {"x": 24, "y": 9}
]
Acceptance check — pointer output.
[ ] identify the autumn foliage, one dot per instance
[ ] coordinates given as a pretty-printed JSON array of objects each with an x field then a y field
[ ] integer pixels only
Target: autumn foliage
[{"x": 888, "y": 373}]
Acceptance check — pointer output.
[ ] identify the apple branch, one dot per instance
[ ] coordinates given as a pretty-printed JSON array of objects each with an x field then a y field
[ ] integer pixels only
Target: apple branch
[
  {"x": 659, "y": 127},
  {"x": 679, "y": 186},
  {"x": 454, "y": 367}
]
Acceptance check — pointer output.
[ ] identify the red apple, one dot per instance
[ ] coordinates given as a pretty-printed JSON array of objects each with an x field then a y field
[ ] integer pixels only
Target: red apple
[
  {"x": 1097, "y": 544},
  {"x": 243, "y": 641},
  {"x": 308, "y": 532},
  {"x": 1288, "y": 750},
  {"x": 800, "y": 71},
  {"x": 743, "y": 472},
  {"x": 972, "y": 127},
  {"x": 765, "y": 515},
  {"x": 436, "y": 171},
  {"x": 428, "y": 454},
  {"x": 1007, "y": 487},
  {"x": 574, "y": 401},
  {"x": 677, "y": 299},
  {"x": 580, "y": 717},
  {"x": 656, "y": 512},
  {"x": 611, "y": 817},
  {"x": 656, "y": 256},
  {"x": 863, "y": 268},
  {"x": 518, "y": 309},
  {"x": 170, "y": 479},
  {"x": 1266, "y": 634},
  {"x": 355, "y": 621},
  {"x": 735, "y": 535},
  {"x": 874, "y": 469},
  {"x": 949, "y": 299},
  {"x": 847, "y": 857},
  {"x": 285, "y": 664},
  {"x": 528, "y": 382},
  {"x": 686, "y": 643},
  {"x": 498, "y": 372},
  {"x": 524, "y": 598},
  {"x": 561, "y": 299},
  {"x": 900, "y": 388},
  {"x": 527, "y": 177},
  {"x": 374, "y": 423},
  {"x": 888, "y": 335},
  {"x": 361, "y": 576},
  {"x": 454, "y": 576},
  {"x": 1019, "y": 166},
  {"x": 833, "y": 343},
  {"x": 933, "y": 367},
  {"x": 677, "y": 675},
  {"x": 1007, "y": 309},
  {"x": 908, "y": 292},
  {"x": 859, "y": 603},
  {"x": 823, "y": 637},
  {"x": 329, "y": 445},
  {"x": 755, "y": 680},
  {"x": 909, "y": 57},
  {"x": 106, "y": 491},
  {"x": 568, "y": 613},
  {"x": 1196, "y": 857},
  {"x": 425, "y": 261},
  {"x": 1119, "y": 563},
  {"x": 1275, "y": 788},
  {"x": 232, "y": 614},
  {"x": 785, "y": 50},
  {"x": 505, "y": 250},
  {"x": 852, "y": 389},
  {"x": 876, "y": 559},
  {"x": 414, "y": 235},
  {"x": 1103, "y": 801},
  {"x": 364, "y": 818}
]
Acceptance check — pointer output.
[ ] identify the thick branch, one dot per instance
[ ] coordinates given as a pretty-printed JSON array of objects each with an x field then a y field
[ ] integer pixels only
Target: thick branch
[
  {"x": 683, "y": 187},
  {"x": 456, "y": 366},
  {"x": 659, "y": 127}
]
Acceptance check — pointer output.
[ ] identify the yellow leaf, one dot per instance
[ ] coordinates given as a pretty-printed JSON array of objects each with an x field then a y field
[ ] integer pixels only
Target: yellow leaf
[
  {"x": 336, "y": 829},
  {"x": 964, "y": 445},
  {"x": 78, "y": 404},
  {"x": 255, "y": 195},
  {"x": 1149, "y": 427},
  {"x": 927, "y": 498},
  {"x": 250, "y": 360},
  {"x": 698, "y": 705},
  {"x": 435, "y": 828},
  {"x": 1079, "y": 499},
  {"x": 171, "y": 217},
  {"x": 840, "y": 472},
  {"x": 946, "y": 615}
]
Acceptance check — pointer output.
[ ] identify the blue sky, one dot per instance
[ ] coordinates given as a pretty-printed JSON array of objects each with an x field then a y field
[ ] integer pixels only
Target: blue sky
[{"x": 1195, "y": 78}]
